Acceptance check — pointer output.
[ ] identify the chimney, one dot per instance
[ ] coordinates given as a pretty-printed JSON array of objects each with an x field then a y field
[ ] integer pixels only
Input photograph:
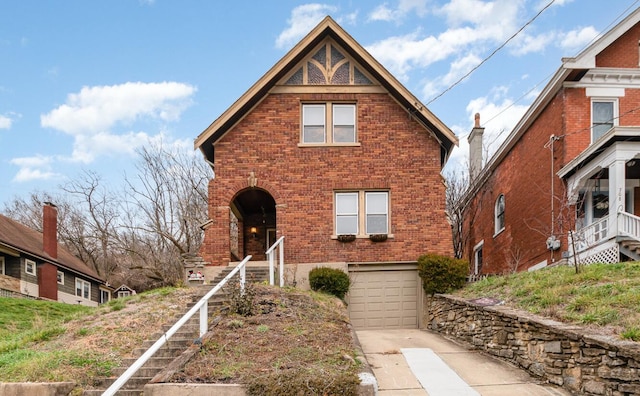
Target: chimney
[
  {"x": 475, "y": 149},
  {"x": 50, "y": 229}
]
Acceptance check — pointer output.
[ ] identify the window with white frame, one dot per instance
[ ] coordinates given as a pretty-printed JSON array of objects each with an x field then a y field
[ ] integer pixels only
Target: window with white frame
[
  {"x": 30, "y": 267},
  {"x": 3, "y": 271},
  {"x": 83, "y": 288},
  {"x": 477, "y": 258},
  {"x": 60, "y": 278},
  {"x": 361, "y": 212},
  {"x": 499, "y": 214},
  {"x": 328, "y": 123},
  {"x": 604, "y": 116},
  {"x": 124, "y": 293},
  {"x": 105, "y": 296}
]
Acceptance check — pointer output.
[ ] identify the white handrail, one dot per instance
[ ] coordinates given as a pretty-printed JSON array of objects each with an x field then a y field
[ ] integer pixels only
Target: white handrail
[
  {"x": 270, "y": 254},
  {"x": 629, "y": 224},
  {"x": 201, "y": 306}
]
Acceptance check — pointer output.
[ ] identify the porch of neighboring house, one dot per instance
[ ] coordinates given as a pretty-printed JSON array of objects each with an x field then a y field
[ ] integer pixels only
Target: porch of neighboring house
[{"x": 604, "y": 185}]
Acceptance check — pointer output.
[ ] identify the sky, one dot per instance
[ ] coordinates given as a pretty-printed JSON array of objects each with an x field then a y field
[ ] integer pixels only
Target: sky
[{"x": 84, "y": 84}]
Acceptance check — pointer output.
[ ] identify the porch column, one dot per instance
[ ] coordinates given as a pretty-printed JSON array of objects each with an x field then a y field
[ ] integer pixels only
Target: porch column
[{"x": 616, "y": 193}]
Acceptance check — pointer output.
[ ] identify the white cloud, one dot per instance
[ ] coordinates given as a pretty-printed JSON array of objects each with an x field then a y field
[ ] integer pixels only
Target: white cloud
[
  {"x": 405, "y": 7},
  {"x": 96, "y": 109},
  {"x": 578, "y": 39},
  {"x": 5, "y": 122},
  {"x": 303, "y": 19},
  {"x": 33, "y": 168},
  {"x": 525, "y": 43}
]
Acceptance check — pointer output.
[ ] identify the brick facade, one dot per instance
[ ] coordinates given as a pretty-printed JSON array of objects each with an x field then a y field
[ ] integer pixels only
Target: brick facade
[
  {"x": 396, "y": 153},
  {"x": 536, "y": 202}
]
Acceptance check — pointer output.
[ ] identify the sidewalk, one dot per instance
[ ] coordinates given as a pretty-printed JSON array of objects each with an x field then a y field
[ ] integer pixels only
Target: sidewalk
[{"x": 415, "y": 362}]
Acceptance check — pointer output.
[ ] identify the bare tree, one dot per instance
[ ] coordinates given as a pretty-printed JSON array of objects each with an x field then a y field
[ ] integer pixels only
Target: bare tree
[{"x": 166, "y": 203}]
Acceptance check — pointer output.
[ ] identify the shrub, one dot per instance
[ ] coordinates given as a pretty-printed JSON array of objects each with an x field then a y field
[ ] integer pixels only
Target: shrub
[
  {"x": 441, "y": 274},
  {"x": 329, "y": 280}
]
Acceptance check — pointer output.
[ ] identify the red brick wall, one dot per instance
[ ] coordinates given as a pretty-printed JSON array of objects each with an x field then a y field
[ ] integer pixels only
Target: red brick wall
[
  {"x": 623, "y": 53},
  {"x": 48, "y": 281},
  {"x": 396, "y": 153},
  {"x": 524, "y": 177}
]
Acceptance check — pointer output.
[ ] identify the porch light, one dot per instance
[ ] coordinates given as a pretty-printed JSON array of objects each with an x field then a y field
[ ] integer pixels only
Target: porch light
[{"x": 254, "y": 232}]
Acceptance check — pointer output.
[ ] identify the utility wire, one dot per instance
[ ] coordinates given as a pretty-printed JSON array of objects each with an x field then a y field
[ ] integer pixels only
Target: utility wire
[{"x": 492, "y": 54}]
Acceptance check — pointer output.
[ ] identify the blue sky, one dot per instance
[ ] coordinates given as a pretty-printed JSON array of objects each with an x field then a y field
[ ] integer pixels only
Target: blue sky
[{"x": 84, "y": 83}]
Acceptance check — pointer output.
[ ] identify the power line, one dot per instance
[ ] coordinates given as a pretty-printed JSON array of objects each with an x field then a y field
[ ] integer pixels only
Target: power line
[{"x": 492, "y": 54}]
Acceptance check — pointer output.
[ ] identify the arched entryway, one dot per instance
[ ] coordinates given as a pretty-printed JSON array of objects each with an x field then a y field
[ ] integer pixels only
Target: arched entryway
[{"x": 253, "y": 223}]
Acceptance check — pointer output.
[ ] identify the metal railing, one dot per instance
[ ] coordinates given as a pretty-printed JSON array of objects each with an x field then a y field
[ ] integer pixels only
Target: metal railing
[
  {"x": 279, "y": 245},
  {"x": 201, "y": 306}
]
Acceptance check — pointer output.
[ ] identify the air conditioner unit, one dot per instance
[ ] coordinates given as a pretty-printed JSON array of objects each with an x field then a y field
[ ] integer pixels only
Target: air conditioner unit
[{"x": 553, "y": 243}]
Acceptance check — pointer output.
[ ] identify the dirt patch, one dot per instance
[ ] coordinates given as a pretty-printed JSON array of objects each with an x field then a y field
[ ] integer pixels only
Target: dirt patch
[{"x": 294, "y": 341}]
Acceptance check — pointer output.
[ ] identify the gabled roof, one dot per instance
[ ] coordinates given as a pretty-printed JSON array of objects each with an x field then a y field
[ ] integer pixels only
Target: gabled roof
[
  {"x": 326, "y": 28},
  {"x": 572, "y": 69},
  {"x": 16, "y": 238}
]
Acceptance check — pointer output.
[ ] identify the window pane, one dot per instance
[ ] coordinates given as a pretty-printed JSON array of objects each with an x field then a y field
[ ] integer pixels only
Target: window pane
[
  {"x": 313, "y": 118},
  {"x": 347, "y": 224},
  {"x": 376, "y": 224},
  {"x": 347, "y": 203},
  {"x": 86, "y": 290},
  {"x": 377, "y": 203},
  {"x": 313, "y": 134},
  {"x": 602, "y": 112},
  {"x": 344, "y": 114},
  {"x": 344, "y": 134}
]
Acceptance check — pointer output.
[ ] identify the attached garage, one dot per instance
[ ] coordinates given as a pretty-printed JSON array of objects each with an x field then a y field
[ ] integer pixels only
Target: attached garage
[{"x": 384, "y": 296}]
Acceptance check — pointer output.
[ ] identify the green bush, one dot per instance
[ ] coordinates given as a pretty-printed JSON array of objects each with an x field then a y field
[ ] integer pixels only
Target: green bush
[
  {"x": 329, "y": 280},
  {"x": 441, "y": 274}
]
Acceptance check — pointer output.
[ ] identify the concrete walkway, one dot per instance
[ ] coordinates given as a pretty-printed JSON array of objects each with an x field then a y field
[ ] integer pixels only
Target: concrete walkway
[{"x": 419, "y": 362}]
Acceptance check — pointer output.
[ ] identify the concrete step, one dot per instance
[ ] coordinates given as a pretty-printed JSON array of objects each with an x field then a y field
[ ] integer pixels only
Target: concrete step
[
  {"x": 162, "y": 352},
  {"x": 133, "y": 383},
  {"x": 172, "y": 343},
  {"x": 152, "y": 363},
  {"x": 142, "y": 372},
  {"x": 121, "y": 392}
]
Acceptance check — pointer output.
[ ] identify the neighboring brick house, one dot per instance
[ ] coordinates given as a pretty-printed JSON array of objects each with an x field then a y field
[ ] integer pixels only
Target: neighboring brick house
[
  {"x": 34, "y": 264},
  {"x": 328, "y": 143},
  {"x": 565, "y": 183}
]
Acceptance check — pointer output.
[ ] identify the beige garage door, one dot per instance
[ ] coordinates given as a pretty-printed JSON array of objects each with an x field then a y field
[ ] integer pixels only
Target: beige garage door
[{"x": 384, "y": 299}]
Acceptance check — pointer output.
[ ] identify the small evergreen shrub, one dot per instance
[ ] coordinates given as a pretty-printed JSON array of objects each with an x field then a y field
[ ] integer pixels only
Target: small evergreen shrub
[
  {"x": 441, "y": 274},
  {"x": 329, "y": 280}
]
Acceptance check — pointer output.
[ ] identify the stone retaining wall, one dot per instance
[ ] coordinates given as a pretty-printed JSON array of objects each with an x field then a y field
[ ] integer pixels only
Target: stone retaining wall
[{"x": 565, "y": 355}]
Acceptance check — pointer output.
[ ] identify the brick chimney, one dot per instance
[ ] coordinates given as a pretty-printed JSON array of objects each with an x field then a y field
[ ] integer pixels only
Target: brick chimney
[
  {"x": 475, "y": 149},
  {"x": 50, "y": 229}
]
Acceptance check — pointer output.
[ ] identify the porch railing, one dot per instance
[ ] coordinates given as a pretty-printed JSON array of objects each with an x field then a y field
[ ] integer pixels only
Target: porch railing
[
  {"x": 591, "y": 234},
  {"x": 271, "y": 253},
  {"x": 629, "y": 224},
  {"x": 201, "y": 306}
]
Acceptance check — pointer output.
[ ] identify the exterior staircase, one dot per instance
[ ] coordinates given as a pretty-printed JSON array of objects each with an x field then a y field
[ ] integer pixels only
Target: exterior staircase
[
  {"x": 630, "y": 247},
  {"x": 176, "y": 344}
]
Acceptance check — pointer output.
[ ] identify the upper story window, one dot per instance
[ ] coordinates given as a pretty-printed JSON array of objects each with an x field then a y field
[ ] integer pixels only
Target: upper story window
[
  {"x": 328, "y": 123},
  {"x": 362, "y": 212},
  {"x": 604, "y": 116},
  {"x": 499, "y": 214}
]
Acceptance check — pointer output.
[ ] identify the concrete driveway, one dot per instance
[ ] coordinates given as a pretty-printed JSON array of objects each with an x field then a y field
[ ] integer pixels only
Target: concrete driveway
[{"x": 419, "y": 362}]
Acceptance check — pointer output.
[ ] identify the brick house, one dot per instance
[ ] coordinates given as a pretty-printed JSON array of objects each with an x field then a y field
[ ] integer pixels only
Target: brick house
[
  {"x": 328, "y": 144},
  {"x": 34, "y": 264},
  {"x": 565, "y": 184}
]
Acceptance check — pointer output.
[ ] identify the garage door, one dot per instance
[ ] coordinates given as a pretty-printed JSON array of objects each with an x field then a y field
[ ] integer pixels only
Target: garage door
[{"x": 384, "y": 299}]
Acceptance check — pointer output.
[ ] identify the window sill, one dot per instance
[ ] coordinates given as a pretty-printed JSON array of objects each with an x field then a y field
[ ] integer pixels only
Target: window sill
[
  {"x": 356, "y": 144},
  {"x": 364, "y": 236},
  {"x": 499, "y": 232}
]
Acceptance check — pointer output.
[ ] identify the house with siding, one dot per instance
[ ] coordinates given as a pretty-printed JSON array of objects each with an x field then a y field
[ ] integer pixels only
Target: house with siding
[
  {"x": 33, "y": 264},
  {"x": 565, "y": 184},
  {"x": 333, "y": 153}
]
